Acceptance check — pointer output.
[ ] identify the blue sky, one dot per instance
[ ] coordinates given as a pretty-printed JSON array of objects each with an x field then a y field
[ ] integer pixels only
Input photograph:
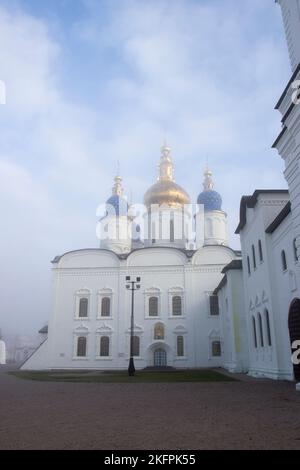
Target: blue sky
[{"x": 93, "y": 82}]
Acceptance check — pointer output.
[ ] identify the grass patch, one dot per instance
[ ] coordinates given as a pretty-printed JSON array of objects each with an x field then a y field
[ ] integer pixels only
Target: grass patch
[{"x": 199, "y": 375}]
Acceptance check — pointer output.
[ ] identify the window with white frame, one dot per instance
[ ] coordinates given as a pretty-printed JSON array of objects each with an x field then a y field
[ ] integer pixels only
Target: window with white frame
[
  {"x": 159, "y": 331},
  {"x": 81, "y": 347},
  {"x": 82, "y": 303},
  {"x": 105, "y": 307},
  {"x": 153, "y": 306},
  {"x": 216, "y": 348},
  {"x": 176, "y": 305},
  {"x": 152, "y": 302},
  {"x": 104, "y": 346},
  {"x": 180, "y": 346},
  {"x": 105, "y": 303},
  {"x": 136, "y": 346}
]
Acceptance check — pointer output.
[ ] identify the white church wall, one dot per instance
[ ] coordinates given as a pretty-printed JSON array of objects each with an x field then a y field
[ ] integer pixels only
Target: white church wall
[
  {"x": 233, "y": 323},
  {"x": 285, "y": 289},
  {"x": 260, "y": 289}
]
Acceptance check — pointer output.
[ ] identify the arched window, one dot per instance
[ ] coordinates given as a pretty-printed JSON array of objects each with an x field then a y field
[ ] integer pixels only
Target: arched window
[
  {"x": 261, "y": 333},
  {"x": 260, "y": 252},
  {"x": 104, "y": 346},
  {"x": 180, "y": 346},
  {"x": 253, "y": 257},
  {"x": 105, "y": 307},
  {"x": 81, "y": 346},
  {"x": 136, "y": 346},
  {"x": 295, "y": 249},
  {"x": 216, "y": 348},
  {"x": 159, "y": 331},
  {"x": 268, "y": 328},
  {"x": 83, "y": 307},
  {"x": 254, "y": 332},
  {"x": 176, "y": 305},
  {"x": 153, "y": 307},
  {"x": 172, "y": 236},
  {"x": 248, "y": 264},
  {"x": 283, "y": 260}
]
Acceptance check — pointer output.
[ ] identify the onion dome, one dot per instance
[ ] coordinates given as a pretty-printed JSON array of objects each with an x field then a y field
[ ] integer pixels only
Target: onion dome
[
  {"x": 166, "y": 191},
  {"x": 117, "y": 204},
  {"x": 209, "y": 198}
]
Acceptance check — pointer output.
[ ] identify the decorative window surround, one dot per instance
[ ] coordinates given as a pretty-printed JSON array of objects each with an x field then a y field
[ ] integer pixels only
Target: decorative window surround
[
  {"x": 84, "y": 293},
  {"x": 106, "y": 292},
  {"x": 152, "y": 292},
  {"x": 176, "y": 292}
]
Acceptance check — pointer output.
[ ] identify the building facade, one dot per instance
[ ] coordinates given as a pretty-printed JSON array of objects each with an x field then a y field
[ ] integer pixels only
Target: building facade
[{"x": 176, "y": 321}]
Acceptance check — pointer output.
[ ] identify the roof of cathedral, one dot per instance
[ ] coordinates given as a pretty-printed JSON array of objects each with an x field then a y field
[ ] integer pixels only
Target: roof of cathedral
[
  {"x": 124, "y": 256},
  {"x": 250, "y": 202},
  {"x": 209, "y": 198}
]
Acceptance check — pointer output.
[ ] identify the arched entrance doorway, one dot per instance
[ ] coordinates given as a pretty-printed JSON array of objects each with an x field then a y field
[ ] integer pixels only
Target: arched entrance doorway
[
  {"x": 294, "y": 329},
  {"x": 160, "y": 358}
]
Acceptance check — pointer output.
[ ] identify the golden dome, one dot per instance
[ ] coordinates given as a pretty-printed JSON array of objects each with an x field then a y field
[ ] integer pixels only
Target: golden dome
[{"x": 166, "y": 191}]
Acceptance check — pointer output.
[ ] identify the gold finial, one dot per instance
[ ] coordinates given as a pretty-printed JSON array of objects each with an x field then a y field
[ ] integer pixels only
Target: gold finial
[{"x": 166, "y": 168}]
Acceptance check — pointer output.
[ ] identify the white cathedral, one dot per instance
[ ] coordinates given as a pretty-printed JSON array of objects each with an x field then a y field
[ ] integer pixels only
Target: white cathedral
[{"x": 200, "y": 303}]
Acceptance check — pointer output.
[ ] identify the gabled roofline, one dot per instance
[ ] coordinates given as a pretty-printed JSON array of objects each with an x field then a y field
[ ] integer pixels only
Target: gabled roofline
[
  {"x": 280, "y": 218},
  {"x": 187, "y": 253},
  {"x": 251, "y": 201}
]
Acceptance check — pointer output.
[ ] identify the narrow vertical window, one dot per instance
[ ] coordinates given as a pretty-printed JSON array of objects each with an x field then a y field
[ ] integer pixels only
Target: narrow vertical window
[
  {"x": 136, "y": 346},
  {"x": 153, "y": 232},
  {"x": 172, "y": 237},
  {"x": 83, "y": 308},
  {"x": 105, "y": 307},
  {"x": 261, "y": 332},
  {"x": 268, "y": 328},
  {"x": 254, "y": 332},
  {"x": 104, "y": 346},
  {"x": 248, "y": 265},
  {"x": 180, "y": 346},
  {"x": 214, "y": 304},
  {"x": 176, "y": 305},
  {"x": 260, "y": 252},
  {"x": 81, "y": 346},
  {"x": 216, "y": 348},
  {"x": 153, "y": 307},
  {"x": 283, "y": 260},
  {"x": 295, "y": 249},
  {"x": 253, "y": 257}
]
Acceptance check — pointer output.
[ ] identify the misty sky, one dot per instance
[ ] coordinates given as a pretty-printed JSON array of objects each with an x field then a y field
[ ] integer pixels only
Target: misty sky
[{"x": 91, "y": 82}]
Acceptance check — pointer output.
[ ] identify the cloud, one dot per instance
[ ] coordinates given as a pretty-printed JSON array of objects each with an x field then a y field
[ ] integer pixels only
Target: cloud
[{"x": 108, "y": 87}]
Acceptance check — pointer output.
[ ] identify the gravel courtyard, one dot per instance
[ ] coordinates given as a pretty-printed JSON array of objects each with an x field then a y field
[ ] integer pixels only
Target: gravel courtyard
[{"x": 249, "y": 414}]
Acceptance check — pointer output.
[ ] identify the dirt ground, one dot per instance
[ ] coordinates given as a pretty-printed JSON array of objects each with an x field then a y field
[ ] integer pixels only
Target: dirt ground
[{"x": 250, "y": 414}]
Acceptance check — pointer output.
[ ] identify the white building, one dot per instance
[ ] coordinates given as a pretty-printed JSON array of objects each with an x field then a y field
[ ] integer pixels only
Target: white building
[
  {"x": 200, "y": 304},
  {"x": 176, "y": 320}
]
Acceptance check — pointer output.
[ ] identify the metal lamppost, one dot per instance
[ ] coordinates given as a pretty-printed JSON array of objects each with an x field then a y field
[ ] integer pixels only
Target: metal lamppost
[{"x": 132, "y": 285}]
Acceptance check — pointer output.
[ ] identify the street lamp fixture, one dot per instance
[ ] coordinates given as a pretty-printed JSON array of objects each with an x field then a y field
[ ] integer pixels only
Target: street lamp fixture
[{"x": 132, "y": 285}]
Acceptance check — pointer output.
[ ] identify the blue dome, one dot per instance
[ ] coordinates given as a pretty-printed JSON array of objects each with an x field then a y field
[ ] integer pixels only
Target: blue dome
[
  {"x": 116, "y": 205},
  {"x": 211, "y": 200}
]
